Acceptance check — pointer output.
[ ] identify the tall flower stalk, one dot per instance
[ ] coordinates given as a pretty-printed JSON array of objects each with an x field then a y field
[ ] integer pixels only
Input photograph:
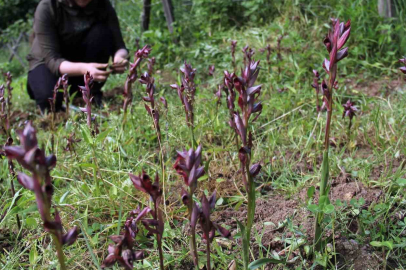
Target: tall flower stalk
[
  {"x": 232, "y": 49},
  {"x": 186, "y": 92},
  {"x": 4, "y": 116},
  {"x": 334, "y": 42},
  {"x": 240, "y": 122},
  {"x": 9, "y": 81},
  {"x": 87, "y": 98},
  {"x": 52, "y": 104},
  {"x": 65, "y": 86},
  {"x": 122, "y": 251},
  {"x": 132, "y": 77},
  {"x": 201, "y": 215},
  {"x": 152, "y": 108},
  {"x": 154, "y": 225},
  {"x": 188, "y": 166},
  {"x": 33, "y": 159},
  {"x": 230, "y": 101},
  {"x": 350, "y": 111}
]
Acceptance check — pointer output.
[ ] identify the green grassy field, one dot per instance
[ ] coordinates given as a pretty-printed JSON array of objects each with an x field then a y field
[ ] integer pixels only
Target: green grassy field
[{"x": 366, "y": 229}]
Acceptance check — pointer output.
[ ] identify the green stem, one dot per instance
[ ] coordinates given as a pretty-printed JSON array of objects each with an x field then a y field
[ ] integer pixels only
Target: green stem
[
  {"x": 208, "y": 255},
  {"x": 13, "y": 191},
  {"x": 323, "y": 193},
  {"x": 250, "y": 214},
  {"x": 59, "y": 252},
  {"x": 193, "y": 246},
  {"x": 161, "y": 255},
  {"x": 192, "y": 136}
]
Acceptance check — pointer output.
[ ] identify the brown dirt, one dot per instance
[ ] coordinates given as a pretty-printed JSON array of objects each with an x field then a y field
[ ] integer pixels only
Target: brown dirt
[
  {"x": 351, "y": 255},
  {"x": 273, "y": 212},
  {"x": 375, "y": 88}
]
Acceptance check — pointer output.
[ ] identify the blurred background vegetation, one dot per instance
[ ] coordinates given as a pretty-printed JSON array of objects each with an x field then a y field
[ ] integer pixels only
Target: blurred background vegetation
[{"x": 206, "y": 26}]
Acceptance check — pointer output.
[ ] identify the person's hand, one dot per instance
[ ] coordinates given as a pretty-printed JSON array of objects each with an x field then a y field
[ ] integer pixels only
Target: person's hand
[
  {"x": 120, "y": 64},
  {"x": 97, "y": 71}
]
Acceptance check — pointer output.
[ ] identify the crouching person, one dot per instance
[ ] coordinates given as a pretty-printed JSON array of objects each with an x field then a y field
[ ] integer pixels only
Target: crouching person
[{"x": 73, "y": 37}]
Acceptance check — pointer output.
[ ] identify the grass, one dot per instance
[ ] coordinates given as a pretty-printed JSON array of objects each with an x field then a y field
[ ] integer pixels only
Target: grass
[{"x": 287, "y": 138}]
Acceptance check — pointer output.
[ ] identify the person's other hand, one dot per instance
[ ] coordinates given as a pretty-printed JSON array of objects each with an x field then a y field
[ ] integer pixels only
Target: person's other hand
[
  {"x": 97, "y": 71},
  {"x": 120, "y": 64}
]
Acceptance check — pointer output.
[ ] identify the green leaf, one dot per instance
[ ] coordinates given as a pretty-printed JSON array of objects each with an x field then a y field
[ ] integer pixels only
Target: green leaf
[
  {"x": 313, "y": 208},
  {"x": 401, "y": 182},
  {"x": 310, "y": 192},
  {"x": 62, "y": 199},
  {"x": 220, "y": 201},
  {"x": 388, "y": 244},
  {"x": 328, "y": 209},
  {"x": 261, "y": 262},
  {"x": 245, "y": 243},
  {"x": 33, "y": 256},
  {"x": 86, "y": 134},
  {"x": 88, "y": 165},
  {"x": 103, "y": 135},
  {"x": 31, "y": 222}
]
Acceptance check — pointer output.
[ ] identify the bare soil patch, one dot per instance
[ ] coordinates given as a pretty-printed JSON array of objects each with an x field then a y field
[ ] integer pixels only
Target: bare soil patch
[{"x": 273, "y": 213}]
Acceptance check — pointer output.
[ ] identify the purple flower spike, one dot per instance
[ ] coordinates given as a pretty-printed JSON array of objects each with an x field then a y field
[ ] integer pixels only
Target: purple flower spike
[
  {"x": 87, "y": 98},
  {"x": 132, "y": 75},
  {"x": 32, "y": 158},
  {"x": 143, "y": 183},
  {"x": 188, "y": 166}
]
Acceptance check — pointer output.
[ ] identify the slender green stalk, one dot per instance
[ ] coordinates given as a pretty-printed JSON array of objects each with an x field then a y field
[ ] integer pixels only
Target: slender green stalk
[
  {"x": 250, "y": 214},
  {"x": 192, "y": 136},
  {"x": 208, "y": 266},
  {"x": 13, "y": 191},
  {"x": 59, "y": 252},
  {"x": 193, "y": 246}
]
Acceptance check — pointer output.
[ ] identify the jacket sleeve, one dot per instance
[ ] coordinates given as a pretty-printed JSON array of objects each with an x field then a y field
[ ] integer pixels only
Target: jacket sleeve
[
  {"x": 115, "y": 27},
  {"x": 47, "y": 36}
]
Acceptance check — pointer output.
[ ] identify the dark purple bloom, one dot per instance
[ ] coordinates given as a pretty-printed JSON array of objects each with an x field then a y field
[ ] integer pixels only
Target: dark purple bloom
[
  {"x": 144, "y": 183},
  {"x": 65, "y": 86},
  {"x": 186, "y": 91},
  {"x": 403, "y": 69},
  {"x": 87, "y": 98},
  {"x": 349, "y": 109},
  {"x": 122, "y": 251},
  {"x": 151, "y": 64},
  {"x": 164, "y": 102},
  {"x": 70, "y": 142},
  {"x": 188, "y": 166},
  {"x": 211, "y": 70},
  {"x": 202, "y": 215},
  {"x": 32, "y": 158},
  {"x": 152, "y": 109},
  {"x": 132, "y": 75}
]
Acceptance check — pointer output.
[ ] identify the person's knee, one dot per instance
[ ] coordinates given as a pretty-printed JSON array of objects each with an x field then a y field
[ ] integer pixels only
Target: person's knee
[{"x": 41, "y": 82}]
